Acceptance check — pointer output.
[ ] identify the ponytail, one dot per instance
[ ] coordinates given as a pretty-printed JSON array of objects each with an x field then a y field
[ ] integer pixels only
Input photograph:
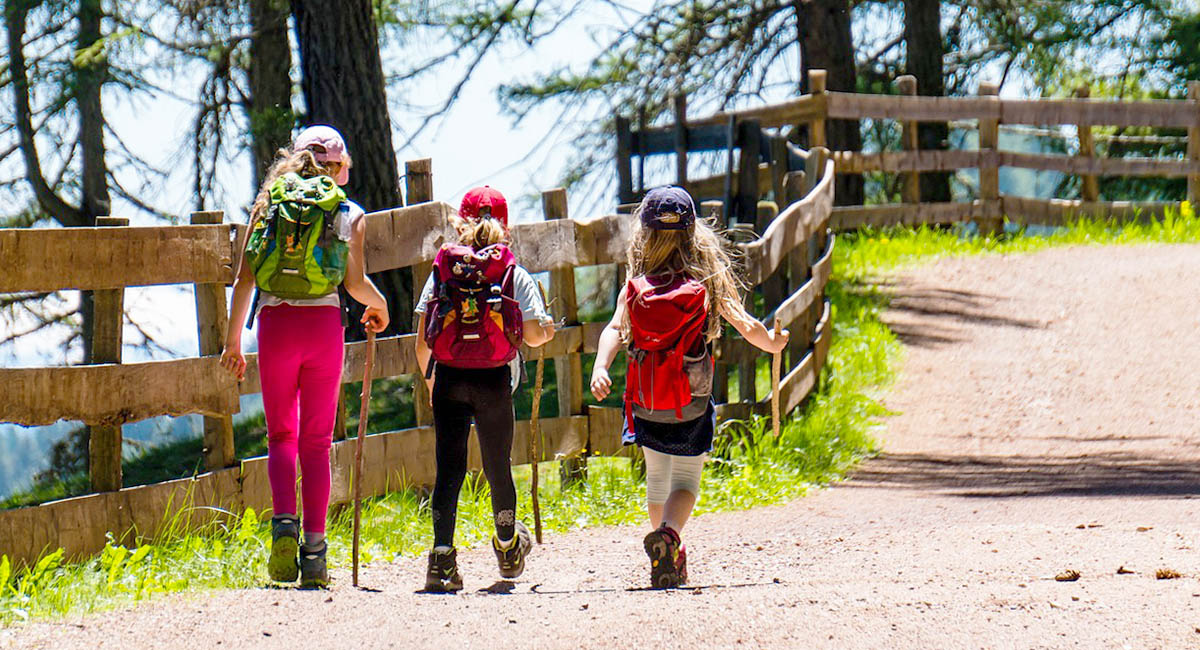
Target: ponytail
[
  {"x": 479, "y": 233},
  {"x": 303, "y": 162}
]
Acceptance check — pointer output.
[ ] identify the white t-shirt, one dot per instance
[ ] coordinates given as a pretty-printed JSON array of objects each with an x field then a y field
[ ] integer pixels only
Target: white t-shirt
[
  {"x": 525, "y": 290},
  {"x": 348, "y": 215},
  {"x": 528, "y": 296}
]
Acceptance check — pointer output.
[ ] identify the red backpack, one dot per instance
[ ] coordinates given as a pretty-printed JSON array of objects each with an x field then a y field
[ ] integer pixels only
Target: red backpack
[
  {"x": 668, "y": 322},
  {"x": 472, "y": 320}
]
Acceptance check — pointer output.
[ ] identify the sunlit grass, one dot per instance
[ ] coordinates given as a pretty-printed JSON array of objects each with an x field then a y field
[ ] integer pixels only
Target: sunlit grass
[{"x": 824, "y": 439}]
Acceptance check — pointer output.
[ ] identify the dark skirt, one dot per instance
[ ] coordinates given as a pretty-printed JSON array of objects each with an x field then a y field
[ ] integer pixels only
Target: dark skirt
[{"x": 690, "y": 438}]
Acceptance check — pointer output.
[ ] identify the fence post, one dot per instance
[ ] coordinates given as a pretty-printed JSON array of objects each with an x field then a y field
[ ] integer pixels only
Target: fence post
[
  {"x": 816, "y": 126},
  {"x": 745, "y": 207},
  {"x": 1089, "y": 189},
  {"x": 1193, "y": 145},
  {"x": 773, "y": 290},
  {"x": 624, "y": 160},
  {"x": 911, "y": 192},
  {"x": 818, "y": 156},
  {"x": 681, "y": 141},
  {"x": 989, "y": 173},
  {"x": 418, "y": 175},
  {"x": 795, "y": 187},
  {"x": 568, "y": 370},
  {"x": 212, "y": 320},
  {"x": 108, "y": 323},
  {"x": 721, "y": 374}
]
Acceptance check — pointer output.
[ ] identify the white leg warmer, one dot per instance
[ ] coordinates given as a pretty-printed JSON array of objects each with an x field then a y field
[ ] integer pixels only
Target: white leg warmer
[{"x": 666, "y": 473}]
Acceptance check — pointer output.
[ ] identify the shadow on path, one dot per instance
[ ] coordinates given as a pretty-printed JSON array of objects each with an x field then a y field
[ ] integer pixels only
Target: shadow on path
[
  {"x": 1112, "y": 474},
  {"x": 930, "y": 316}
]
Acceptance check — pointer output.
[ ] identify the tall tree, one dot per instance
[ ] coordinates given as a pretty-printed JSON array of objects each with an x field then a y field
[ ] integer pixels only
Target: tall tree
[
  {"x": 343, "y": 85},
  {"x": 85, "y": 79},
  {"x": 269, "y": 105},
  {"x": 924, "y": 49},
  {"x": 827, "y": 43}
]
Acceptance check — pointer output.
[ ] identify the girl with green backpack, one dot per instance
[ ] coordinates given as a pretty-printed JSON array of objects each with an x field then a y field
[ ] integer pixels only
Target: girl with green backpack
[{"x": 305, "y": 240}]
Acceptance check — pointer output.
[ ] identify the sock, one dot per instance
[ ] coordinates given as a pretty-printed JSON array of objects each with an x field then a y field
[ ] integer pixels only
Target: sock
[
  {"x": 286, "y": 516},
  {"x": 442, "y": 548},
  {"x": 314, "y": 540},
  {"x": 506, "y": 544}
]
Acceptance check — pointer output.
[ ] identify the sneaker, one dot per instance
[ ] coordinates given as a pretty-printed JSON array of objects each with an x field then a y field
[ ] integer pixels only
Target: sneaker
[
  {"x": 512, "y": 560},
  {"x": 283, "y": 566},
  {"x": 662, "y": 546},
  {"x": 443, "y": 575},
  {"x": 313, "y": 572}
]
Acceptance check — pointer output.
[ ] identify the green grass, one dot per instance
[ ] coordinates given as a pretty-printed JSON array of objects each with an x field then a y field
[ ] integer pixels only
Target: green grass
[{"x": 824, "y": 439}]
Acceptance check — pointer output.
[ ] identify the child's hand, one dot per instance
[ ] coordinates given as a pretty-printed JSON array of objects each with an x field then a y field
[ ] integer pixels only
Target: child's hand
[
  {"x": 601, "y": 383},
  {"x": 778, "y": 341},
  {"x": 233, "y": 361},
  {"x": 375, "y": 319}
]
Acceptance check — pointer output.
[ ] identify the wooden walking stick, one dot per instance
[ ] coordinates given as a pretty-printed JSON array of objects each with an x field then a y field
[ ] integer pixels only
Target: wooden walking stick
[
  {"x": 363, "y": 411},
  {"x": 776, "y": 361},
  {"x": 535, "y": 434},
  {"x": 534, "y": 440}
]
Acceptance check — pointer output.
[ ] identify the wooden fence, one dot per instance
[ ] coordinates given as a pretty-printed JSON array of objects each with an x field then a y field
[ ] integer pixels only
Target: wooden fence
[
  {"x": 795, "y": 252},
  {"x": 987, "y": 112}
]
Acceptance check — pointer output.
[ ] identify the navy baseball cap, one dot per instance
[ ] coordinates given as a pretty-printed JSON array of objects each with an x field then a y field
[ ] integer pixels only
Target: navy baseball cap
[{"x": 668, "y": 208}]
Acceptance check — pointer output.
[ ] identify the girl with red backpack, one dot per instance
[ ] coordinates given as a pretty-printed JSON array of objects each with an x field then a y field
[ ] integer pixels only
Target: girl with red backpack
[
  {"x": 305, "y": 239},
  {"x": 670, "y": 311},
  {"x": 476, "y": 309}
]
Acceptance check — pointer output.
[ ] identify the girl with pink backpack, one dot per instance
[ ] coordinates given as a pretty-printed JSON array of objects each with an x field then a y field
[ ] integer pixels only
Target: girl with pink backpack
[
  {"x": 681, "y": 287},
  {"x": 476, "y": 309}
]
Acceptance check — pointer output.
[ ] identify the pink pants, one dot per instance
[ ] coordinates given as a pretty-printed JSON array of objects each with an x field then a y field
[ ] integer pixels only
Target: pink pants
[{"x": 300, "y": 363}]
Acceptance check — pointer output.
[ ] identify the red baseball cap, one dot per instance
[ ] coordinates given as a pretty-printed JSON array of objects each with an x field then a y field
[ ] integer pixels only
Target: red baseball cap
[{"x": 484, "y": 201}]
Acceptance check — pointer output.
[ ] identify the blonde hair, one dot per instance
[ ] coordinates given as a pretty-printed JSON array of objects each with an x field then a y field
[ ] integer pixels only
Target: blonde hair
[
  {"x": 303, "y": 162},
  {"x": 699, "y": 253},
  {"x": 479, "y": 233}
]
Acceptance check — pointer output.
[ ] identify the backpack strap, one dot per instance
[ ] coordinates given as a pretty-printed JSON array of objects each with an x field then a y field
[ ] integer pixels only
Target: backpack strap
[{"x": 253, "y": 310}]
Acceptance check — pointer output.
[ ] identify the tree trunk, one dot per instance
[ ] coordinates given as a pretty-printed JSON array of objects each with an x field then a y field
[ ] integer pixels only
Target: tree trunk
[
  {"x": 342, "y": 80},
  {"x": 270, "y": 104},
  {"x": 90, "y": 76},
  {"x": 925, "y": 49},
  {"x": 826, "y": 43}
]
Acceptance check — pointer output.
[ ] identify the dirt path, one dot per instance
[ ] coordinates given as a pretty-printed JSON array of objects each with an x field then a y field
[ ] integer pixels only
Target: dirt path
[{"x": 1046, "y": 422}]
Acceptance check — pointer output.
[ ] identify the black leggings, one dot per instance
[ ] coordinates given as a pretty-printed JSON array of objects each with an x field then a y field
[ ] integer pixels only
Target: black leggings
[{"x": 458, "y": 396}]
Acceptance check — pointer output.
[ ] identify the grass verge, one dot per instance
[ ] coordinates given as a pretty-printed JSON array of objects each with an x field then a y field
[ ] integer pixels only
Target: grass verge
[{"x": 820, "y": 443}]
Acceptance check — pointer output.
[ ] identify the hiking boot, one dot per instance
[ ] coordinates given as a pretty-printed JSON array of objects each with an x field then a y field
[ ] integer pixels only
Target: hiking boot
[
  {"x": 662, "y": 546},
  {"x": 681, "y": 565},
  {"x": 512, "y": 560},
  {"x": 313, "y": 572},
  {"x": 443, "y": 575},
  {"x": 283, "y": 566}
]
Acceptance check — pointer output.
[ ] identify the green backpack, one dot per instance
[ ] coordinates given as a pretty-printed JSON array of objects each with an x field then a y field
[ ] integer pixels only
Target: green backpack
[{"x": 294, "y": 250}]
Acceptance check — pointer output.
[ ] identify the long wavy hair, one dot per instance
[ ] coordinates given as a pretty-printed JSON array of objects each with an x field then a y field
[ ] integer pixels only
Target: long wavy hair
[
  {"x": 699, "y": 253},
  {"x": 303, "y": 162},
  {"x": 479, "y": 233}
]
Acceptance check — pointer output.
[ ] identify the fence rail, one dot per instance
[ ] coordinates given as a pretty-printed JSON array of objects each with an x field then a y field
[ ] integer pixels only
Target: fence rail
[
  {"x": 984, "y": 113},
  {"x": 794, "y": 254}
]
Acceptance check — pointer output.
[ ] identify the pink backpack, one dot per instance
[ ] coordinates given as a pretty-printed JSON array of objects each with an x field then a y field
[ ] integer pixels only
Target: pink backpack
[{"x": 472, "y": 320}]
